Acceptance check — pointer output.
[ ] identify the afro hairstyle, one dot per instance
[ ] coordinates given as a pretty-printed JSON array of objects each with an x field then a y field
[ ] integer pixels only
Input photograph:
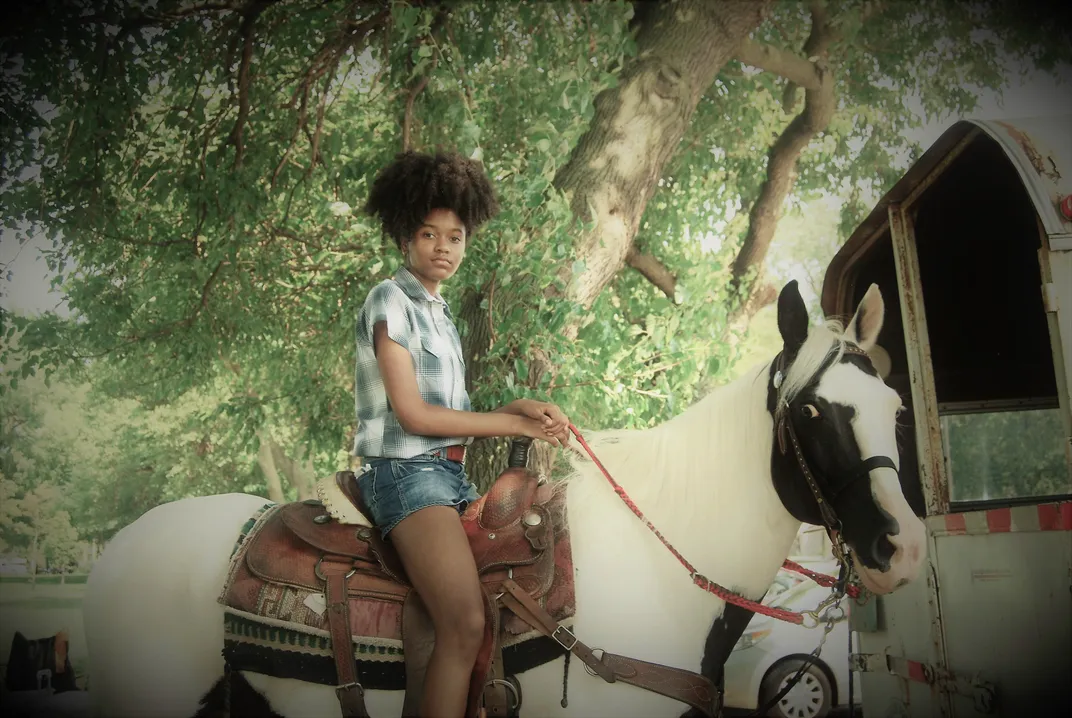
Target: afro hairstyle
[{"x": 414, "y": 184}]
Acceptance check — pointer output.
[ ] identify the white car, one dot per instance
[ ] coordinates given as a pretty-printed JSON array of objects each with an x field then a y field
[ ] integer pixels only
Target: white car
[
  {"x": 770, "y": 652},
  {"x": 13, "y": 566}
]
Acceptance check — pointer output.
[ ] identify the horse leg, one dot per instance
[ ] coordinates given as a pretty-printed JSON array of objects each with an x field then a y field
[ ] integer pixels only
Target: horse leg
[
  {"x": 153, "y": 627},
  {"x": 233, "y": 697}
]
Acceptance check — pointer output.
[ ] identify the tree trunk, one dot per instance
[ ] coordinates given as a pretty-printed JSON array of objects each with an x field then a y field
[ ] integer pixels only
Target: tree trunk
[
  {"x": 304, "y": 474},
  {"x": 266, "y": 461},
  {"x": 299, "y": 472},
  {"x": 615, "y": 168},
  {"x": 486, "y": 457},
  {"x": 34, "y": 563}
]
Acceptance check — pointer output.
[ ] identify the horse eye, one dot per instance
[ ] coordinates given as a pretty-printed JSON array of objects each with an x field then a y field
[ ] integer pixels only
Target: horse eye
[
  {"x": 901, "y": 409},
  {"x": 809, "y": 411}
]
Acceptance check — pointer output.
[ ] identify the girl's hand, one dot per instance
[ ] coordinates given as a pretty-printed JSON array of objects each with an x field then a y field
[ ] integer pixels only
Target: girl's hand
[
  {"x": 550, "y": 416},
  {"x": 536, "y": 429}
]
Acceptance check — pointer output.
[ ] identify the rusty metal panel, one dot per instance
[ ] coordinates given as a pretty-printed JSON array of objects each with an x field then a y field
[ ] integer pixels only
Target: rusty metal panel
[
  {"x": 1039, "y": 148},
  {"x": 1057, "y": 285},
  {"x": 920, "y": 369},
  {"x": 939, "y": 168},
  {"x": 904, "y": 620},
  {"x": 1007, "y": 613},
  {"x": 931, "y": 647},
  {"x": 1041, "y": 151}
]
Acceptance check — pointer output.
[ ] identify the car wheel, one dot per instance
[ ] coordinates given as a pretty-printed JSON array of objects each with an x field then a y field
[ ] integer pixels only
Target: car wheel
[{"x": 811, "y": 697}]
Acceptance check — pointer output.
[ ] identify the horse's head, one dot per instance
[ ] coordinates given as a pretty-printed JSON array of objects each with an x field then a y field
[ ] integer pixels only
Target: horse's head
[{"x": 835, "y": 461}]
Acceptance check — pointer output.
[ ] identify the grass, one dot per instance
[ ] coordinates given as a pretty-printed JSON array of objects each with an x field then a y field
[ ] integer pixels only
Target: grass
[{"x": 46, "y": 579}]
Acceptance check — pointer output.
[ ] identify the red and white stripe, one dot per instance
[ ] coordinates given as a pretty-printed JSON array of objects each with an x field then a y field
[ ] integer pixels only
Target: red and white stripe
[
  {"x": 1040, "y": 517},
  {"x": 895, "y": 665}
]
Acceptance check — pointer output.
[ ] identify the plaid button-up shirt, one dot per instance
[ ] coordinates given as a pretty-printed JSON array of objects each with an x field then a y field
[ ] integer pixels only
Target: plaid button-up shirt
[{"x": 424, "y": 325}]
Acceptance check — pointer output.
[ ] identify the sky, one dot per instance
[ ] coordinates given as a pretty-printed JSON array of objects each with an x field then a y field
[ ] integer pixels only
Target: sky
[{"x": 25, "y": 278}]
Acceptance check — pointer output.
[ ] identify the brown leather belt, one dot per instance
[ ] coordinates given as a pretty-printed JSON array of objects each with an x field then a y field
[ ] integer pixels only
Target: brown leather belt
[
  {"x": 450, "y": 453},
  {"x": 335, "y": 571}
]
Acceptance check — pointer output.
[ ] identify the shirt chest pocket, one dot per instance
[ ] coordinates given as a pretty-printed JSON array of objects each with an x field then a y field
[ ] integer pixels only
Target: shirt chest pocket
[{"x": 435, "y": 367}]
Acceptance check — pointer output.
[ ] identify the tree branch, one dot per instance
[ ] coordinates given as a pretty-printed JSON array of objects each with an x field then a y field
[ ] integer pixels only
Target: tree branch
[
  {"x": 206, "y": 289},
  {"x": 789, "y": 65},
  {"x": 468, "y": 88},
  {"x": 818, "y": 44},
  {"x": 819, "y": 106},
  {"x": 314, "y": 151},
  {"x": 653, "y": 270},
  {"x": 407, "y": 118},
  {"x": 249, "y": 20},
  {"x": 800, "y": 70},
  {"x": 325, "y": 61},
  {"x": 763, "y": 296},
  {"x": 418, "y": 85}
]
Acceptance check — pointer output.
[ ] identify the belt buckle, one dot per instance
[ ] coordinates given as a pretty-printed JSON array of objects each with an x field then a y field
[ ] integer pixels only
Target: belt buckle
[
  {"x": 445, "y": 452},
  {"x": 353, "y": 685},
  {"x": 562, "y": 643}
]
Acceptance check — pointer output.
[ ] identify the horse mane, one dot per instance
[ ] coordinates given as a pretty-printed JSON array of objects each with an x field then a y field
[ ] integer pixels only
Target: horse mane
[
  {"x": 680, "y": 462},
  {"x": 822, "y": 342},
  {"x": 690, "y": 460}
]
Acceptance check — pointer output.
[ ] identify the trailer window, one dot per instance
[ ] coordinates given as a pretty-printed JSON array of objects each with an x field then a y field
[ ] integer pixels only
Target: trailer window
[
  {"x": 978, "y": 240},
  {"x": 997, "y": 456}
]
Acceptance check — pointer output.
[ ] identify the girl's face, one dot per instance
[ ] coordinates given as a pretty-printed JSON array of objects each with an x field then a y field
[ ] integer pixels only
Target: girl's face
[{"x": 436, "y": 249}]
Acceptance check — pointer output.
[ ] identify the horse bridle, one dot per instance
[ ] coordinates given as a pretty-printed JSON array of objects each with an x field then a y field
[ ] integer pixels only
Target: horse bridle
[{"x": 784, "y": 426}]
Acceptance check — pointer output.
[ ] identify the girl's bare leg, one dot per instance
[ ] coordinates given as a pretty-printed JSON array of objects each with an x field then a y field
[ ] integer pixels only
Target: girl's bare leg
[{"x": 435, "y": 552}]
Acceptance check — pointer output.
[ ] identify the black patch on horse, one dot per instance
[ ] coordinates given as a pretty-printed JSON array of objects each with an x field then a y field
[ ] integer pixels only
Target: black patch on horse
[
  {"x": 374, "y": 675},
  {"x": 723, "y": 636},
  {"x": 233, "y": 697}
]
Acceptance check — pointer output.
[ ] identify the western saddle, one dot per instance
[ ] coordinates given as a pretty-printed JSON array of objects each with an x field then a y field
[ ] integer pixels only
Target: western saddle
[{"x": 511, "y": 534}]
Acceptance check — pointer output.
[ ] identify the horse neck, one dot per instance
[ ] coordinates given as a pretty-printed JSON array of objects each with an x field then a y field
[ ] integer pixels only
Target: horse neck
[{"x": 702, "y": 479}]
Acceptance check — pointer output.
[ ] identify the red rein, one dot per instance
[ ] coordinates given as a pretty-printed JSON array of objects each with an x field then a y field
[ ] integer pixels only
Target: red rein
[{"x": 702, "y": 581}]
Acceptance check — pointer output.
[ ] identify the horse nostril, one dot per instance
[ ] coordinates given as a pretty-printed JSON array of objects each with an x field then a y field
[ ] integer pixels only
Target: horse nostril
[{"x": 882, "y": 551}]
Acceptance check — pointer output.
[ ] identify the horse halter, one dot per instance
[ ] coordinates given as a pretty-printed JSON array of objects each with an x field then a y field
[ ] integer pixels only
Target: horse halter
[{"x": 784, "y": 426}]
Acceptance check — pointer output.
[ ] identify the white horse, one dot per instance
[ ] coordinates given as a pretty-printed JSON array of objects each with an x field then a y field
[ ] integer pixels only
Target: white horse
[{"x": 713, "y": 480}]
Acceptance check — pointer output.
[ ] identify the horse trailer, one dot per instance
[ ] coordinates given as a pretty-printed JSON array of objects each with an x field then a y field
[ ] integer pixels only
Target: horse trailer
[{"x": 975, "y": 244}]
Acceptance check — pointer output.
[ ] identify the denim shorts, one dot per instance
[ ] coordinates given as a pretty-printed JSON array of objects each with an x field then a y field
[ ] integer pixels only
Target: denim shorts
[{"x": 396, "y": 488}]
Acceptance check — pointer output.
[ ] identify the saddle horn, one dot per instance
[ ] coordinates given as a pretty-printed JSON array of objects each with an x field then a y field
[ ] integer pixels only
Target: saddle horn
[{"x": 519, "y": 452}]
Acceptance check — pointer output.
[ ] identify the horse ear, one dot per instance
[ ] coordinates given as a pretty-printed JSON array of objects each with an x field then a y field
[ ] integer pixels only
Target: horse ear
[
  {"x": 866, "y": 324},
  {"x": 792, "y": 318}
]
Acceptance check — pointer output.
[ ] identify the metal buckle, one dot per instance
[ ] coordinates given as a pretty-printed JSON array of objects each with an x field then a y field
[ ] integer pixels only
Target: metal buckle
[
  {"x": 516, "y": 698},
  {"x": 348, "y": 686},
  {"x": 322, "y": 577},
  {"x": 588, "y": 668},
  {"x": 509, "y": 574},
  {"x": 559, "y": 640}
]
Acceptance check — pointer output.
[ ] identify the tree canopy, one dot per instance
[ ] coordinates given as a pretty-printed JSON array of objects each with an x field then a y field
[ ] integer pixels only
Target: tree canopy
[{"x": 198, "y": 168}]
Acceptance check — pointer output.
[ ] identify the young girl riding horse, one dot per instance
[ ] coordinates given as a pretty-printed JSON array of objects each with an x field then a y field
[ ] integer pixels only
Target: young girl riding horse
[{"x": 415, "y": 419}]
